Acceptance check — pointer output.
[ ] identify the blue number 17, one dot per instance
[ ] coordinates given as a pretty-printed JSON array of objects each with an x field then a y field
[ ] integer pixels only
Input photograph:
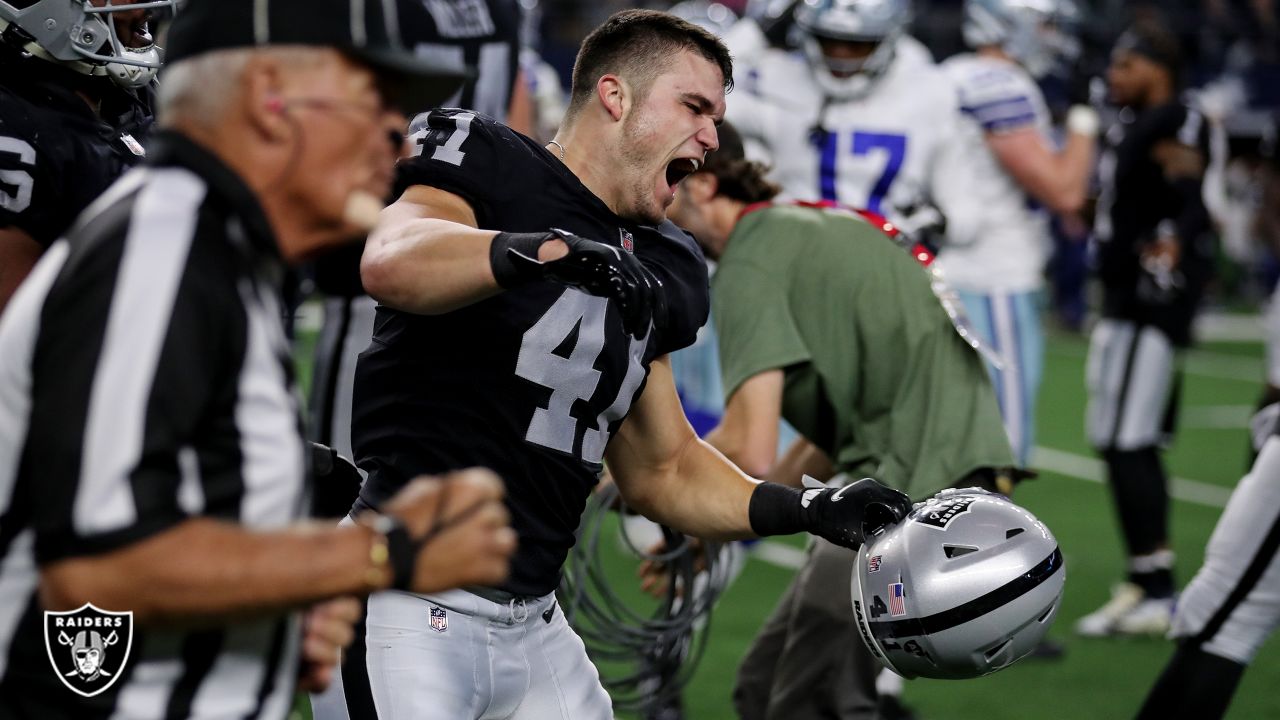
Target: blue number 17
[{"x": 894, "y": 147}]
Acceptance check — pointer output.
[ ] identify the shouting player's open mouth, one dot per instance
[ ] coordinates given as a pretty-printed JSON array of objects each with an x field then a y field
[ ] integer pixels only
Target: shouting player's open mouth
[{"x": 679, "y": 169}]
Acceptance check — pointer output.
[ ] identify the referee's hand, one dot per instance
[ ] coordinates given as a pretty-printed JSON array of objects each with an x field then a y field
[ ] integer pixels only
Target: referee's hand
[
  {"x": 462, "y": 525},
  {"x": 326, "y": 632}
]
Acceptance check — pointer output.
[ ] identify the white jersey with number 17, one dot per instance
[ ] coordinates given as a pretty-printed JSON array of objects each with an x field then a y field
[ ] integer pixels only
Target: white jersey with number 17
[{"x": 878, "y": 152}]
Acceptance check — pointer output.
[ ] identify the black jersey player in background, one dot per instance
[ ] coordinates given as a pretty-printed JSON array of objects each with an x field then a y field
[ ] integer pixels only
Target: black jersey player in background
[
  {"x": 70, "y": 123},
  {"x": 484, "y": 37},
  {"x": 540, "y": 353},
  {"x": 1154, "y": 256}
]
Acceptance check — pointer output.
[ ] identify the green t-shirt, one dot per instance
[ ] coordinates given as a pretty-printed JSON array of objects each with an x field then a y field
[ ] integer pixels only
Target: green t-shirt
[{"x": 876, "y": 375}]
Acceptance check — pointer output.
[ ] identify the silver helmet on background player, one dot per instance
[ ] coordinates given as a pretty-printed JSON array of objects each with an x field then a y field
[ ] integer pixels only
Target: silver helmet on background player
[
  {"x": 877, "y": 22},
  {"x": 1039, "y": 34},
  {"x": 85, "y": 35},
  {"x": 966, "y": 585}
]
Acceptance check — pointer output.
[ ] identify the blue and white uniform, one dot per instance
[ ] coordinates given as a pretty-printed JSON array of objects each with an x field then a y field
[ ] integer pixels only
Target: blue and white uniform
[
  {"x": 879, "y": 151},
  {"x": 997, "y": 244}
]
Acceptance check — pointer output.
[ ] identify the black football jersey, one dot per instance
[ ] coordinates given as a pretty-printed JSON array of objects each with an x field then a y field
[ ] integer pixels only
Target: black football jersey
[
  {"x": 533, "y": 382},
  {"x": 56, "y": 155},
  {"x": 1135, "y": 199}
]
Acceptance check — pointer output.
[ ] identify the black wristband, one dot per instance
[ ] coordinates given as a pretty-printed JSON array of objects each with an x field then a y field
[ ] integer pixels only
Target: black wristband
[
  {"x": 402, "y": 550},
  {"x": 506, "y": 272},
  {"x": 775, "y": 510},
  {"x": 402, "y": 556}
]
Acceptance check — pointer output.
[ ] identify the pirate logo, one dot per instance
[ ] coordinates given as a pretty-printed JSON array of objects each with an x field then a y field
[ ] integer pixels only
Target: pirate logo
[{"x": 88, "y": 647}]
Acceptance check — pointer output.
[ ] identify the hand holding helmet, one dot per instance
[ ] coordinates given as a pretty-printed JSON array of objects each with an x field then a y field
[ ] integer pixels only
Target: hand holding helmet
[{"x": 843, "y": 516}]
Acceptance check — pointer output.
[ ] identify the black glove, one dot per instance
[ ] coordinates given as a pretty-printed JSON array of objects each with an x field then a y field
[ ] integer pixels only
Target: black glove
[
  {"x": 594, "y": 267},
  {"x": 841, "y": 515}
]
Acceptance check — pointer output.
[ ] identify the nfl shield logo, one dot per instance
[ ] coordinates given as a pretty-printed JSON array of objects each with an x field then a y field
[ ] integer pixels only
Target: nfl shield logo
[
  {"x": 628, "y": 242},
  {"x": 439, "y": 620},
  {"x": 873, "y": 565},
  {"x": 88, "y": 647},
  {"x": 134, "y": 146}
]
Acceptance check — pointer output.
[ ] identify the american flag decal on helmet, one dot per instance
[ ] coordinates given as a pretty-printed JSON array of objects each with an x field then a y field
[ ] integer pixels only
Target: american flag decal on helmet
[{"x": 897, "y": 601}]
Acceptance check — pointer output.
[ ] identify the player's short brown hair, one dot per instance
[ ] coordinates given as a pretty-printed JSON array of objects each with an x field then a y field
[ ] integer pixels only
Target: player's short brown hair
[{"x": 638, "y": 45}]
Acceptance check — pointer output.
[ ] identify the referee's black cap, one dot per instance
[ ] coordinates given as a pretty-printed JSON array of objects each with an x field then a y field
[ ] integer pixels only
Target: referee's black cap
[{"x": 367, "y": 30}]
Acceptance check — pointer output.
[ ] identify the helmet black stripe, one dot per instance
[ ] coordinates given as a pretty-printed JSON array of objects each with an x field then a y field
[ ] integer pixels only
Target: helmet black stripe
[{"x": 976, "y": 608}]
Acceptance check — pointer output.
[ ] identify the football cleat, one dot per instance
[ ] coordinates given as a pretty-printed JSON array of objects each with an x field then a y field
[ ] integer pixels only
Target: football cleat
[
  {"x": 1151, "y": 617},
  {"x": 1102, "y": 622}
]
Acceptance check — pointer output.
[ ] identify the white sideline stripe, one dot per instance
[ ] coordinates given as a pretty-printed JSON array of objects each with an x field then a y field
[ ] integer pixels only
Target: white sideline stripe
[
  {"x": 1204, "y": 363},
  {"x": 1061, "y": 462},
  {"x": 1087, "y": 468},
  {"x": 1216, "y": 417},
  {"x": 779, "y": 554}
]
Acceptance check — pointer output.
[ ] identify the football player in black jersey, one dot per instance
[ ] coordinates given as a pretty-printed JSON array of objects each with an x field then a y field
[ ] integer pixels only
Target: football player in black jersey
[
  {"x": 73, "y": 114},
  {"x": 484, "y": 37},
  {"x": 529, "y": 298},
  {"x": 1154, "y": 255}
]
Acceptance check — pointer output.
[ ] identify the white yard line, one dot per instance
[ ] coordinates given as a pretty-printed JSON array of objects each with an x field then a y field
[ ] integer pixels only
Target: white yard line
[
  {"x": 1088, "y": 468},
  {"x": 1205, "y": 363},
  {"x": 779, "y": 554},
  {"x": 1215, "y": 417}
]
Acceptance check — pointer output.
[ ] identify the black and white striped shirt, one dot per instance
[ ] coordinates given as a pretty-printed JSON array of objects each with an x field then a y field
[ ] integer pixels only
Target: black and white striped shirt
[{"x": 145, "y": 379}]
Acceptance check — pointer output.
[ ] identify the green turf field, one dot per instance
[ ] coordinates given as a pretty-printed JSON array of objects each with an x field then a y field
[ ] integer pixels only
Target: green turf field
[{"x": 1098, "y": 679}]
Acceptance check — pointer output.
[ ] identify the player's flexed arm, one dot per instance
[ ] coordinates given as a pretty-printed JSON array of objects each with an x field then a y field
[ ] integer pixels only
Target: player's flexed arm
[
  {"x": 671, "y": 476},
  {"x": 427, "y": 256}
]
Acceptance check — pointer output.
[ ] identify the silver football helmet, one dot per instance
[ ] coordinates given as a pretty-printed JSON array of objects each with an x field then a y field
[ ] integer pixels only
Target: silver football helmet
[
  {"x": 966, "y": 585},
  {"x": 1040, "y": 34},
  {"x": 874, "y": 21},
  {"x": 81, "y": 34}
]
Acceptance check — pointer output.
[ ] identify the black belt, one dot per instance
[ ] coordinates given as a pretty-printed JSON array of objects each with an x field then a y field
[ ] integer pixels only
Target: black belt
[{"x": 501, "y": 597}]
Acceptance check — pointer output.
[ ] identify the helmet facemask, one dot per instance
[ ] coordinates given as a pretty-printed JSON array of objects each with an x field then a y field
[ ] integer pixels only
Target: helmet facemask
[
  {"x": 82, "y": 36},
  {"x": 848, "y": 79},
  {"x": 858, "y": 21}
]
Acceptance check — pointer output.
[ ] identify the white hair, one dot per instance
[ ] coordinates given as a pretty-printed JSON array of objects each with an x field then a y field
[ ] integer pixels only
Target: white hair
[{"x": 199, "y": 89}]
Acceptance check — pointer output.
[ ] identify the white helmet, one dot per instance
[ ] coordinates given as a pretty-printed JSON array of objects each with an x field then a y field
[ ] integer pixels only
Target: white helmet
[
  {"x": 877, "y": 21},
  {"x": 1039, "y": 34},
  {"x": 966, "y": 585},
  {"x": 713, "y": 17},
  {"x": 82, "y": 36}
]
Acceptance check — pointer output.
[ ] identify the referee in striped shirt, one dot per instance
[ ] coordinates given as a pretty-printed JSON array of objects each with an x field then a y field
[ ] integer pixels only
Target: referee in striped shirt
[{"x": 151, "y": 453}]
